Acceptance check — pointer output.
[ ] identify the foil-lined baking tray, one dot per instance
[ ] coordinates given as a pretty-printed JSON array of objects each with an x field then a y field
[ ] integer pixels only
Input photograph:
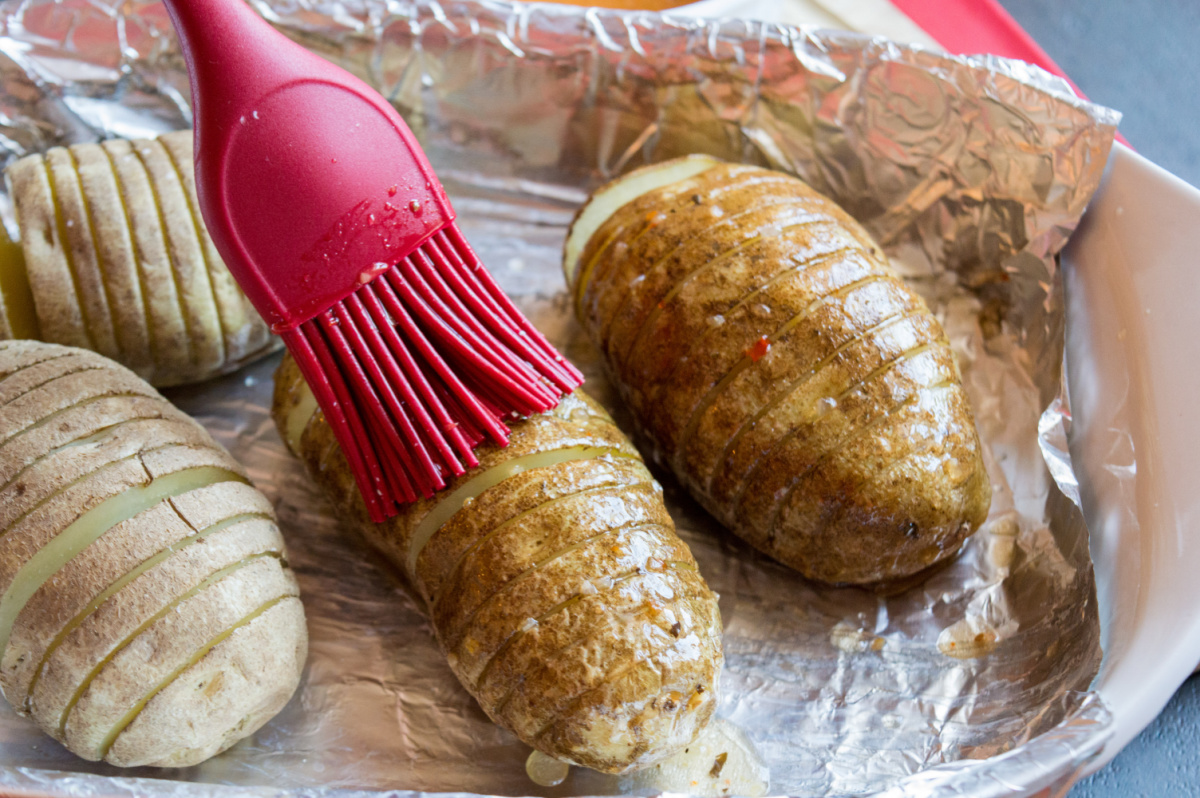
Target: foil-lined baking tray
[{"x": 971, "y": 172}]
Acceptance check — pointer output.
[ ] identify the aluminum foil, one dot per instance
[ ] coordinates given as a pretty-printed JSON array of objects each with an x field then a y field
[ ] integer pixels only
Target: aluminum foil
[{"x": 972, "y": 172}]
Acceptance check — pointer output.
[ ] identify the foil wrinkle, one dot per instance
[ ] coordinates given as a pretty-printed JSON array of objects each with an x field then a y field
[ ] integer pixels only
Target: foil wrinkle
[{"x": 972, "y": 172}]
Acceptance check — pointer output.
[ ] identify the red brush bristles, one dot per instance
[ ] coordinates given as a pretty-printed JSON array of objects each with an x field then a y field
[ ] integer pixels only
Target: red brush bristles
[
  {"x": 420, "y": 365},
  {"x": 311, "y": 185}
]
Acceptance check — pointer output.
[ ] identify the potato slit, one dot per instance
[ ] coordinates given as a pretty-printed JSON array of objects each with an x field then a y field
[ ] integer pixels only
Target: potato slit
[
  {"x": 795, "y": 384},
  {"x": 908, "y": 354},
  {"x": 452, "y": 571},
  {"x": 55, "y": 356},
  {"x": 861, "y": 430},
  {"x": 559, "y": 554},
  {"x": 544, "y": 659},
  {"x": 209, "y": 581},
  {"x": 301, "y": 415},
  {"x": 574, "y": 702},
  {"x": 562, "y": 605},
  {"x": 100, "y": 265},
  {"x": 61, "y": 225},
  {"x": 584, "y": 277},
  {"x": 579, "y": 698},
  {"x": 55, "y": 378},
  {"x": 747, "y": 361},
  {"x": 659, "y": 308},
  {"x": 41, "y": 422},
  {"x": 726, "y": 221},
  {"x": 449, "y": 506},
  {"x": 796, "y": 268},
  {"x": 589, "y": 220},
  {"x": 82, "y": 440},
  {"x": 137, "y": 708},
  {"x": 15, "y": 291},
  {"x": 63, "y": 488},
  {"x": 327, "y": 452},
  {"x": 89, "y": 526},
  {"x": 48, "y": 380},
  {"x": 143, "y": 294},
  {"x": 900, "y": 458},
  {"x": 194, "y": 213},
  {"x": 188, "y": 323},
  {"x": 126, "y": 578}
]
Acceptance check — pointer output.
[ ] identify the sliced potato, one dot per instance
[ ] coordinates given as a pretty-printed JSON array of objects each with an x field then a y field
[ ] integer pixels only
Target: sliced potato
[
  {"x": 78, "y": 234},
  {"x": 184, "y": 253},
  {"x": 798, "y": 388},
  {"x": 246, "y": 335},
  {"x": 17, "y": 317},
  {"x": 43, "y": 239},
  {"x": 147, "y": 613},
  {"x": 114, "y": 248},
  {"x": 555, "y": 583},
  {"x": 115, "y": 258}
]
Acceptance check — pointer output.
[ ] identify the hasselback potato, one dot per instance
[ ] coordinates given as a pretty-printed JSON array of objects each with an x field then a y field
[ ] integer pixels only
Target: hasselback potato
[
  {"x": 557, "y": 587},
  {"x": 147, "y": 612},
  {"x": 803, "y": 393},
  {"x": 115, "y": 258}
]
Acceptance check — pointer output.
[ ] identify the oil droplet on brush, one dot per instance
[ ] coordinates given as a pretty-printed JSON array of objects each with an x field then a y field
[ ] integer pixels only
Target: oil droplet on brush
[
  {"x": 371, "y": 272},
  {"x": 546, "y": 771}
]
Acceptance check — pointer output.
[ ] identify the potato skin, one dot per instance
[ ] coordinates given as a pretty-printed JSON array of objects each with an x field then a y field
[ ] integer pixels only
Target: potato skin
[
  {"x": 117, "y": 260},
  {"x": 562, "y": 597},
  {"x": 170, "y": 626},
  {"x": 799, "y": 389}
]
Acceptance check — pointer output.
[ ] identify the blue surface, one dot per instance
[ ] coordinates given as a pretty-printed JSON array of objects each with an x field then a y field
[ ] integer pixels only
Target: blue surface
[{"x": 1140, "y": 57}]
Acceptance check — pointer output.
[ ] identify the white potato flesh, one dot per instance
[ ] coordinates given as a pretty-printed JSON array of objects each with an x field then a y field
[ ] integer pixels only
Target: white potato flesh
[{"x": 620, "y": 192}]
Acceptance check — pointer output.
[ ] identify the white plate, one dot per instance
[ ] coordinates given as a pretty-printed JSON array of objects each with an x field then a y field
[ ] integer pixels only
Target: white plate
[{"x": 1133, "y": 309}]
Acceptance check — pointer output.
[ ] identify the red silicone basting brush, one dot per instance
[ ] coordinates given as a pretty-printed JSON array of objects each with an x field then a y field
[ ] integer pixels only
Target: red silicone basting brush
[{"x": 329, "y": 216}]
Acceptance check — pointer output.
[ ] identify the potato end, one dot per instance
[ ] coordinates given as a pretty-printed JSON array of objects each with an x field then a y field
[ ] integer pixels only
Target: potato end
[{"x": 225, "y": 697}]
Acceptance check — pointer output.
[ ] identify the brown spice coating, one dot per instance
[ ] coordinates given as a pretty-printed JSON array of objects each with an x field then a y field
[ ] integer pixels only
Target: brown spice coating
[
  {"x": 180, "y": 576},
  {"x": 799, "y": 389},
  {"x": 564, "y": 600}
]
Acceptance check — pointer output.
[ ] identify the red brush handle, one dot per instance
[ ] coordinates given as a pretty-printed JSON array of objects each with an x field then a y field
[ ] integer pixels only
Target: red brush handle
[{"x": 307, "y": 177}]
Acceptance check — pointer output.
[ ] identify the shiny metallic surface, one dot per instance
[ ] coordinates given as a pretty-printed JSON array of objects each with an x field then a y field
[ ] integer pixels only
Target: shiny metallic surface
[{"x": 971, "y": 172}]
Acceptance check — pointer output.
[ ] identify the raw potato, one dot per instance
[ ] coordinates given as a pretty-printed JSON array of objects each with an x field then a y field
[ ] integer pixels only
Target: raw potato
[
  {"x": 556, "y": 585},
  {"x": 147, "y": 612},
  {"x": 115, "y": 258},
  {"x": 803, "y": 393}
]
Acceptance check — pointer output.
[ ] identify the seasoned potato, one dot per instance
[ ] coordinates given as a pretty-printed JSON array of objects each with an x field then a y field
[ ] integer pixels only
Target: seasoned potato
[
  {"x": 556, "y": 585},
  {"x": 115, "y": 258},
  {"x": 803, "y": 393},
  {"x": 147, "y": 612}
]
